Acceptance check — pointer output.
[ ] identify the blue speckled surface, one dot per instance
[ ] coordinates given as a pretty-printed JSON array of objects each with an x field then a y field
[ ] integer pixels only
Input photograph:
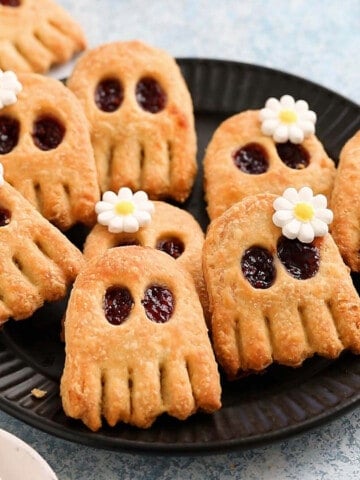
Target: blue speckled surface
[{"x": 316, "y": 40}]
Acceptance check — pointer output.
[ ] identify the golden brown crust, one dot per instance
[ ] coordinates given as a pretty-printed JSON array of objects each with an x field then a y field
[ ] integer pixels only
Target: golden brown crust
[
  {"x": 291, "y": 320},
  {"x": 61, "y": 182},
  {"x": 135, "y": 371},
  {"x": 345, "y": 203},
  {"x": 37, "y": 261},
  {"x": 225, "y": 184},
  {"x": 168, "y": 222},
  {"x": 36, "y": 35},
  {"x": 135, "y": 148}
]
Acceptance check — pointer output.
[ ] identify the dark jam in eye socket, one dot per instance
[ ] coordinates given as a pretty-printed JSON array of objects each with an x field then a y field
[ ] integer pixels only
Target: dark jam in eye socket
[
  {"x": 158, "y": 303},
  {"x": 258, "y": 268},
  {"x": 301, "y": 260},
  {"x": 109, "y": 95},
  {"x": 150, "y": 96},
  {"x": 5, "y": 217},
  {"x": 10, "y": 3},
  {"x": 9, "y": 134},
  {"x": 48, "y": 133},
  {"x": 293, "y": 155},
  {"x": 252, "y": 158},
  {"x": 172, "y": 246},
  {"x": 118, "y": 303}
]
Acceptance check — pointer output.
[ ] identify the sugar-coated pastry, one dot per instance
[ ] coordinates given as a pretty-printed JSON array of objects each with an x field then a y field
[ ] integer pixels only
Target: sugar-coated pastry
[
  {"x": 273, "y": 297},
  {"x": 171, "y": 230},
  {"x": 136, "y": 342},
  {"x": 141, "y": 118},
  {"x": 36, "y": 34},
  {"x": 266, "y": 150},
  {"x": 46, "y": 150},
  {"x": 345, "y": 203},
  {"x": 37, "y": 261}
]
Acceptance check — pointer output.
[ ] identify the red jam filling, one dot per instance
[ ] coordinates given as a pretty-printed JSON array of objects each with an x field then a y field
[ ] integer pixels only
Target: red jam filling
[
  {"x": 48, "y": 133},
  {"x": 10, "y": 3},
  {"x": 117, "y": 305},
  {"x": 172, "y": 246},
  {"x": 158, "y": 303},
  {"x": 293, "y": 155},
  {"x": 9, "y": 134},
  {"x": 5, "y": 217},
  {"x": 150, "y": 95},
  {"x": 258, "y": 268},
  {"x": 109, "y": 95},
  {"x": 301, "y": 260},
  {"x": 252, "y": 159}
]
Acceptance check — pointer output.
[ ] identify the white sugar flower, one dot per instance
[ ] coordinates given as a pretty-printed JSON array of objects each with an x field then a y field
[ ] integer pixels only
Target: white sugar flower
[
  {"x": 286, "y": 119},
  {"x": 302, "y": 215},
  {"x": 1, "y": 175},
  {"x": 125, "y": 211},
  {"x": 9, "y": 88}
]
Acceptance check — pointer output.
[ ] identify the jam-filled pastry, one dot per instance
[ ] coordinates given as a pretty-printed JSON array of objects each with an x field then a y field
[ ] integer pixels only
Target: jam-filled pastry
[
  {"x": 136, "y": 342},
  {"x": 265, "y": 150},
  {"x": 278, "y": 294},
  {"x": 36, "y": 34},
  {"x": 345, "y": 203},
  {"x": 46, "y": 150},
  {"x": 141, "y": 119},
  {"x": 171, "y": 230},
  {"x": 37, "y": 261}
]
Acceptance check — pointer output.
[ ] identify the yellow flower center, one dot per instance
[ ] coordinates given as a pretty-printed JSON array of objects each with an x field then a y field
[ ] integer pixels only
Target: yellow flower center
[
  {"x": 124, "y": 207},
  {"x": 304, "y": 212},
  {"x": 287, "y": 116}
]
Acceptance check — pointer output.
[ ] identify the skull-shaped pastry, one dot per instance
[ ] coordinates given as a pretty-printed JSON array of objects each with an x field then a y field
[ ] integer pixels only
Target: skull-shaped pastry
[
  {"x": 345, "y": 203},
  {"x": 36, "y": 34},
  {"x": 141, "y": 117},
  {"x": 240, "y": 160},
  {"x": 46, "y": 151},
  {"x": 171, "y": 230},
  {"x": 37, "y": 261},
  {"x": 274, "y": 299},
  {"x": 136, "y": 342}
]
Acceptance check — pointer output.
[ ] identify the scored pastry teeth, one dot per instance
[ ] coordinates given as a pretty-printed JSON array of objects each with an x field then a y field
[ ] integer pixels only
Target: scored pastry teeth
[
  {"x": 141, "y": 118},
  {"x": 136, "y": 342}
]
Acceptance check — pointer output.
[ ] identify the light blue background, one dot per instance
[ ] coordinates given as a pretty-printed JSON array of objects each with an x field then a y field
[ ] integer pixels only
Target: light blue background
[{"x": 316, "y": 40}]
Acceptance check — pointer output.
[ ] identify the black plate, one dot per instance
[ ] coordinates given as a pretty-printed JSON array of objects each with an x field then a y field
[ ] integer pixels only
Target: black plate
[{"x": 255, "y": 410}]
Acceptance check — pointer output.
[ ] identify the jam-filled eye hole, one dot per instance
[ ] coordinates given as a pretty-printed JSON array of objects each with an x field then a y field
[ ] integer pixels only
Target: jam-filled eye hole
[
  {"x": 48, "y": 133},
  {"x": 257, "y": 265},
  {"x": 5, "y": 217},
  {"x": 150, "y": 95},
  {"x": 158, "y": 303},
  {"x": 109, "y": 95},
  {"x": 172, "y": 246},
  {"x": 9, "y": 134},
  {"x": 10, "y": 3},
  {"x": 251, "y": 158},
  {"x": 118, "y": 303},
  {"x": 293, "y": 155},
  {"x": 301, "y": 260}
]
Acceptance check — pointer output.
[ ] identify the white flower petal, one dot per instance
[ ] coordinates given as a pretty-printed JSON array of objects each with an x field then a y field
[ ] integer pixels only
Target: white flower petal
[
  {"x": 309, "y": 116},
  {"x": 105, "y": 217},
  {"x": 291, "y": 195},
  {"x": 291, "y": 229},
  {"x": 320, "y": 228},
  {"x": 287, "y": 102},
  {"x": 296, "y": 134},
  {"x": 110, "y": 197},
  {"x": 267, "y": 114},
  {"x": 103, "y": 206},
  {"x": 282, "y": 217},
  {"x": 325, "y": 214},
  {"x": 306, "y": 194},
  {"x": 319, "y": 201},
  {"x": 268, "y": 126},
  {"x": 116, "y": 225},
  {"x": 306, "y": 233},
  {"x": 125, "y": 193},
  {"x": 301, "y": 106},
  {"x": 281, "y": 133},
  {"x": 140, "y": 196},
  {"x": 273, "y": 104},
  {"x": 307, "y": 127},
  {"x": 281, "y": 203},
  {"x": 143, "y": 218},
  {"x": 131, "y": 225}
]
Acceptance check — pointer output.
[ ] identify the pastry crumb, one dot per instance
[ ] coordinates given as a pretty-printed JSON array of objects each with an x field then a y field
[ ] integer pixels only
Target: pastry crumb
[{"x": 37, "y": 393}]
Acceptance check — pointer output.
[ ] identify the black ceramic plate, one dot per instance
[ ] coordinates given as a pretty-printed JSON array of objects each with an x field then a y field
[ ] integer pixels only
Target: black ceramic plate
[{"x": 255, "y": 410}]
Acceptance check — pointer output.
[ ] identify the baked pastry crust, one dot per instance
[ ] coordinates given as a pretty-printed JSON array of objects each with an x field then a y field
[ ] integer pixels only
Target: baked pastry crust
[
  {"x": 225, "y": 184},
  {"x": 36, "y": 35},
  {"x": 345, "y": 203},
  {"x": 60, "y": 182},
  {"x": 135, "y": 371},
  {"x": 155, "y": 152},
  {"x": 291, "y": 320},
  {"x": 37, "y": 262},
  {"x": 168, "y": 222}
]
